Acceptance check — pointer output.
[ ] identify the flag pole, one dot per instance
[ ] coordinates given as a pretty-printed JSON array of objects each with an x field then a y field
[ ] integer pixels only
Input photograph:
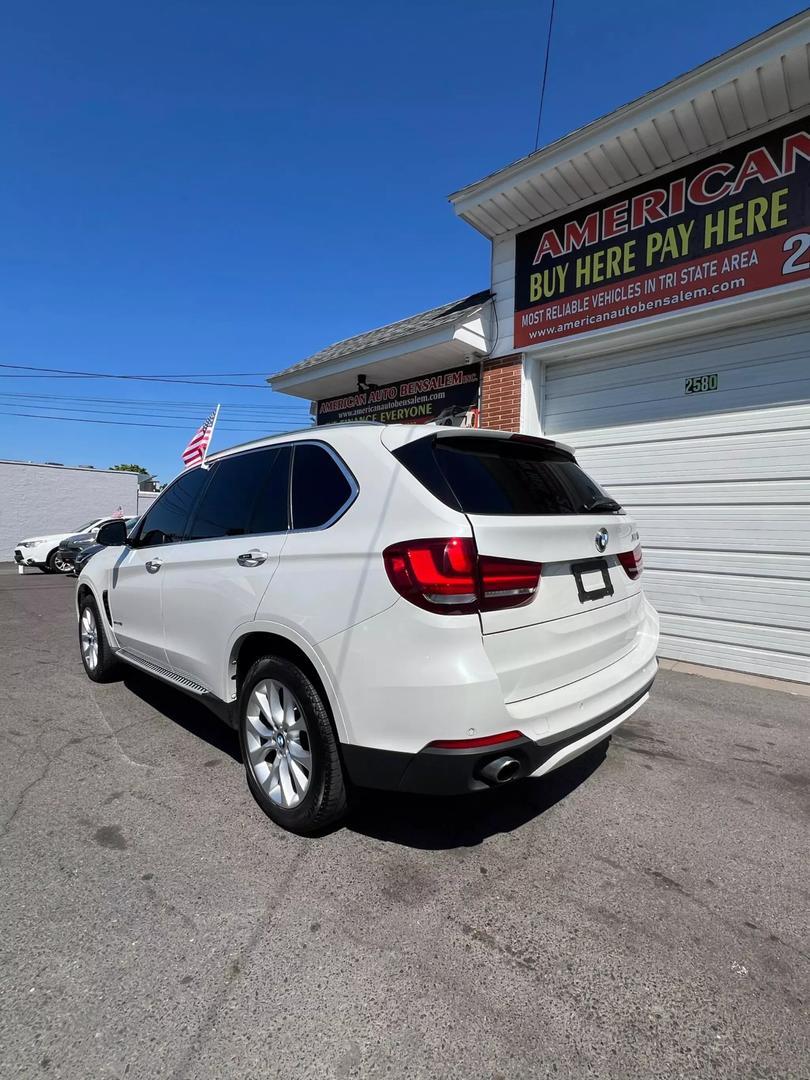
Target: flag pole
[{"x": 210, "y": 437}]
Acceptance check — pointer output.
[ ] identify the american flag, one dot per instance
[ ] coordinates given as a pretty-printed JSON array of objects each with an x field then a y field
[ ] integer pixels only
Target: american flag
[{"x": 194, "y": 453}]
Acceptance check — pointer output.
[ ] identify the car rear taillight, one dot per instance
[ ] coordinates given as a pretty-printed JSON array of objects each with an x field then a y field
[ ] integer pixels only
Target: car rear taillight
[
  {"x": 632, "y": 561},
  {"x": 449, "y": 576},
  {"x": 507, "y": 582},
  {"x": 439, "y": 575}
]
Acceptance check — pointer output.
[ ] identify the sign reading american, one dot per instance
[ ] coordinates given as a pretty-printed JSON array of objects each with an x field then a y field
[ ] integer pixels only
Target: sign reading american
[
  {"x": 445, "y": 396},
  {"x": 735, "y": 223}
]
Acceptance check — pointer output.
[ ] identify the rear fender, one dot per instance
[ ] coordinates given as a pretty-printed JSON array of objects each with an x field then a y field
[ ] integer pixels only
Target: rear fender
[{"x": 227, "y": 687}]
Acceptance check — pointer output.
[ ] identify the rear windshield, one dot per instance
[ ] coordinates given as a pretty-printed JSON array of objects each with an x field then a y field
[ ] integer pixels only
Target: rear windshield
[{"x": 480, "y": 475}]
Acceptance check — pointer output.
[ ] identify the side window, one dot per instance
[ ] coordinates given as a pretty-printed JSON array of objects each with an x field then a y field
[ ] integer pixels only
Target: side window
[
  {"x": 271, "y": 509},
  {"x": 319, "y": 487},
  {"x": 247, "y": 494},
  {"x": 165, "y": 522}
]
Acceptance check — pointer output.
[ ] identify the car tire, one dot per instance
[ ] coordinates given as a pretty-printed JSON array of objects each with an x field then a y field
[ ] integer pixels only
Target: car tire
[
  {"x": 57, "y": 565},
  {"x": 289, "y": 748},
  {"x": 98, "y": 658}
]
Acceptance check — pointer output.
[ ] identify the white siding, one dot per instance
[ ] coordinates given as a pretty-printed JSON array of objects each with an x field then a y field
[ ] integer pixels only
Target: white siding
[
  {"x": 719, "y": 483},
  {"x": 503, "y": 286},
  {"x": 44, "y": 499}
]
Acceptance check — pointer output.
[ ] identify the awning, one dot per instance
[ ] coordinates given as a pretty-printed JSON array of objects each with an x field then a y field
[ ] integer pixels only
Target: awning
[
  {"x": 734, "y": 96},
  {"x": 450, "y": 334}
]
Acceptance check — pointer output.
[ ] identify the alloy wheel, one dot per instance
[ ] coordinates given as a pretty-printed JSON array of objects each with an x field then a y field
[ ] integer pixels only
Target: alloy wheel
[
  {"x": 60, "y": 565},
  {"x": 89, "y": 638},
  {"x": 278, "y": 745}
]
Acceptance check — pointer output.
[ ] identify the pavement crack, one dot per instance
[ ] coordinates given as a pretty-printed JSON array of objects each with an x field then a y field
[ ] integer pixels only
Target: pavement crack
[
  {"x": 236, "y": 965},
  {"x": 6, "y": 828}
]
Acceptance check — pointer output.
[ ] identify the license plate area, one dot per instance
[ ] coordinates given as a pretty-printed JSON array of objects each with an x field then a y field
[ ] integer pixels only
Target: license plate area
[{"x": 592, "y": 579}]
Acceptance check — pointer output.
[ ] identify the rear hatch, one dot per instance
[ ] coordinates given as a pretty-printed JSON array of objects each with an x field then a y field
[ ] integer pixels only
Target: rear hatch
[{"x": 527, "y": 499}]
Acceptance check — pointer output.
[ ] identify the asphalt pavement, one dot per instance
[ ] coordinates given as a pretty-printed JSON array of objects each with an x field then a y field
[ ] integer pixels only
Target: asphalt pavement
[{"x": 641, "y": 913}]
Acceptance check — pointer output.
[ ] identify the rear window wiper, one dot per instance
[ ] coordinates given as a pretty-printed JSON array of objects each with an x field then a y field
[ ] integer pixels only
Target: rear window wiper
[{"x": 600, "y": 503}]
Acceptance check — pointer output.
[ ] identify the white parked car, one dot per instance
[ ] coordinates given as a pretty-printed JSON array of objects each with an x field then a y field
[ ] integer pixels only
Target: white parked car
[
  {"x": 43, "y": 551},
  {"x": 411, "y": 608}
]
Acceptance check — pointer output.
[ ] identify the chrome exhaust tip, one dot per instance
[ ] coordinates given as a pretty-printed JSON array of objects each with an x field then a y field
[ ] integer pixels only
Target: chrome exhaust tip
[{"x": 501, "y": 770}]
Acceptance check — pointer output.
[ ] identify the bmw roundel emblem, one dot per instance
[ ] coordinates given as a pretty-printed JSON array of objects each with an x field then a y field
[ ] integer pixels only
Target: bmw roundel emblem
[{"x": 601, "y": 539}]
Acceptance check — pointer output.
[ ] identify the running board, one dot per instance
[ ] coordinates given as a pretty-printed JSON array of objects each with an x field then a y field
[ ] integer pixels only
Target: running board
[{"x": 169, "y": 676}]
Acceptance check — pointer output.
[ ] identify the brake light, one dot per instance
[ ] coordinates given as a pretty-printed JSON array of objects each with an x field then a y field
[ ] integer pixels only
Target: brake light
[
  {"x": 448, "y": 576},
  {"x": 439, "y": 575},
  {"x": 632, "y": 561}
]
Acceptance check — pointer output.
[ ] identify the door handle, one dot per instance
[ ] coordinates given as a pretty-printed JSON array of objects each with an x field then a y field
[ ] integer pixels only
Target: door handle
[
  {"x": 252, "y": 558},
  {"x": 154, "y": 565}
]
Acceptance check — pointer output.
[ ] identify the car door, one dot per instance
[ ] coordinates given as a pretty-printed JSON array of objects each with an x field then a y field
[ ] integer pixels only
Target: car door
[
  {"x": 137, "y": 577},
  {"x": 324, "y": 583},
  {"x": 214, "y": 581}
]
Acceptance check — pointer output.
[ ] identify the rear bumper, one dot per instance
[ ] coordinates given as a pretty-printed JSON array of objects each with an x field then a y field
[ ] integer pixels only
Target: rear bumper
[{"x": 432, "y": 771}]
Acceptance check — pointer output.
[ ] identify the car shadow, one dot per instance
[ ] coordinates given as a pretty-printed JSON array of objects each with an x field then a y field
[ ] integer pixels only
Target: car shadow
[
  {"x": 184, "y": 711},
  {"x": 436, "y": 823},
  {"x": 417, "y": 821}
]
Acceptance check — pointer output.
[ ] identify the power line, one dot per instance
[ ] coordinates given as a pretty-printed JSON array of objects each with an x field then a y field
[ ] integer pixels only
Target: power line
[
  {"x": 125, "y": 423},
  {"x": 172, "y": 380},
  {"x": 163, "y": 375},
  {"x": 188, "y": 415},
  {"x": 545, "y": 76},
  {"x": 151, "y": 408},
  {"x": 292, "y": 406}
]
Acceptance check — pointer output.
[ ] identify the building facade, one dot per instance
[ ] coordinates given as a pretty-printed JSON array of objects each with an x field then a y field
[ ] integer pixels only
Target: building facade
[
  {"x": 43, "y": 499},
  {"x": 649, "y": 304}
]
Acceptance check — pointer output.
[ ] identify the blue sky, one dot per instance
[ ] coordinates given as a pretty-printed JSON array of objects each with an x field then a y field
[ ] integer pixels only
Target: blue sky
[{"x": 198, "y": 187}]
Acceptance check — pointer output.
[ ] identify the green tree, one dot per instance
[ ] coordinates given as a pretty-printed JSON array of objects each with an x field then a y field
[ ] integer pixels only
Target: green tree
[{"x": 130, "y": 468}]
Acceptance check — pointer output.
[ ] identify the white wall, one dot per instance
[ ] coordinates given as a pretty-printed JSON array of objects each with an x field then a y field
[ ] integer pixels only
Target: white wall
[
  {"x": 50, "y": 499},
  {"x": 145, "y": 500},
  {"x": 503, "y": 286}
]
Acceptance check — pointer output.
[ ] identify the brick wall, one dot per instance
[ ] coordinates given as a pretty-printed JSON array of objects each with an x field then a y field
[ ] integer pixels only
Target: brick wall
[{"x": 500, "y": 393}]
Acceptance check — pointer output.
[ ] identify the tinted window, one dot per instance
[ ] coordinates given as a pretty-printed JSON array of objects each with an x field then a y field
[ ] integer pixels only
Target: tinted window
[
  {"x": 271, "y": 509},
  {"x": 489, "y": 476},
  {"x": 165, "y": 522},
  {"x": 319, "y": 487},
  {"x": 247, "y": 494}
]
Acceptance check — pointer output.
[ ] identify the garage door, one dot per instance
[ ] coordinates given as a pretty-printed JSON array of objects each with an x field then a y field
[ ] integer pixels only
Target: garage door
[{"x": 718, "y": 479}]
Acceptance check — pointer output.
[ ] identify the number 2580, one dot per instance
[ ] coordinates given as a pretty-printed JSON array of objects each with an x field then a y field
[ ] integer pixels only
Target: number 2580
[{"x": 699, "y": 384}]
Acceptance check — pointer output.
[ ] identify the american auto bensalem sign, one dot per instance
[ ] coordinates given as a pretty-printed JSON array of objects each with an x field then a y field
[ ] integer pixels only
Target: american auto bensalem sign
[
  {"x": 443, "y": 395},
  {"x": 735, "y": 223}
]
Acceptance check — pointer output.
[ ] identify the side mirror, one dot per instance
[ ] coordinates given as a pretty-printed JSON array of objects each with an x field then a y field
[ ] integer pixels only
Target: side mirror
[{"x": 112, "y": 534}]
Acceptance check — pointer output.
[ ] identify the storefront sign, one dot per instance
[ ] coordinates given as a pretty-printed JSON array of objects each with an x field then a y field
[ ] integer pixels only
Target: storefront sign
[
  {"x": 735, "y": 223},
  {"x": 443, "y": 395}
]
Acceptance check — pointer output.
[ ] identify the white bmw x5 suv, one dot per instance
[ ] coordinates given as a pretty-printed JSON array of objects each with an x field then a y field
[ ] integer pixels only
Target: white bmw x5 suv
[{"x": 421, "y": 609}]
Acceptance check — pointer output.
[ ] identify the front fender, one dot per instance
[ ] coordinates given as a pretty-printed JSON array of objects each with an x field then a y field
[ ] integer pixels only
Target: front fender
[{"x": 85, "y": 584}]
